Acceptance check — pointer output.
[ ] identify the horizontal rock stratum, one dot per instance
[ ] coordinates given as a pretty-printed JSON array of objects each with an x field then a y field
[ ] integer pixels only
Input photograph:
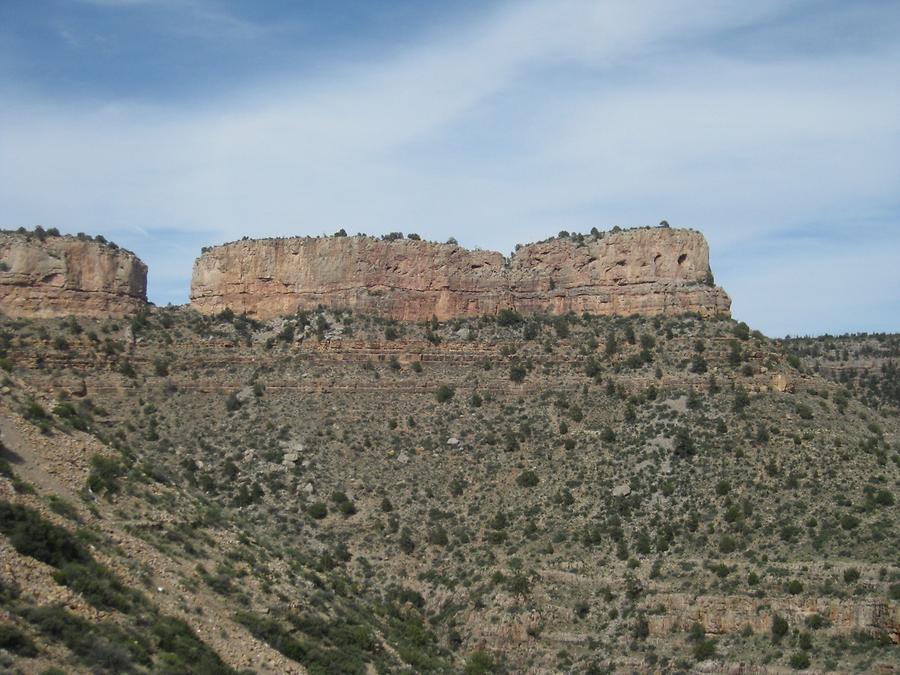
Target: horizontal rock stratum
[
  {"x": 641, "y": 271},
  {"x": 49, "y": 276}
]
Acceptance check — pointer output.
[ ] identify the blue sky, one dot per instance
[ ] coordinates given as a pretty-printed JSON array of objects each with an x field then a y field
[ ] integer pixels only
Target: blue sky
[{"x": 772, "y": 126}]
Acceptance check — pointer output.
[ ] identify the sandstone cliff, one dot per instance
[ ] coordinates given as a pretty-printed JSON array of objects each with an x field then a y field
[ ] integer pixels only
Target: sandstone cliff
[
  {"x": 63, "y": 275},
  {"x": 644, "y": 271}
]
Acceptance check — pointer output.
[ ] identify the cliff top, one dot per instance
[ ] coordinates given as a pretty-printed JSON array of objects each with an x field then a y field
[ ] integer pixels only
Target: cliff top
[
  {"x": 578, "y": 238},
  {"x": 42, "y": 235}
]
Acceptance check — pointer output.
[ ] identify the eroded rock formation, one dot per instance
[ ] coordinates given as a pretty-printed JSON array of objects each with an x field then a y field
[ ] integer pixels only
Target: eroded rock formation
[
  {"x": 63, "y": 275},
  {"x": 644, "y": 271}
]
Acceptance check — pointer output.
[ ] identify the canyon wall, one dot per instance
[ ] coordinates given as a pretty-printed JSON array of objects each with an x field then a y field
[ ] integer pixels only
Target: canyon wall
[
  {"x": 644, "y": 271},
  {"x": 53, "y": 276}
]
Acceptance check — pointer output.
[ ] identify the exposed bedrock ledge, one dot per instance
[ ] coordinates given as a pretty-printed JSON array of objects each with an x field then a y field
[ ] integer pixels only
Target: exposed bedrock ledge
[
  {"x": 644, "y": 271},
  {"x": 64, "y": 275}
]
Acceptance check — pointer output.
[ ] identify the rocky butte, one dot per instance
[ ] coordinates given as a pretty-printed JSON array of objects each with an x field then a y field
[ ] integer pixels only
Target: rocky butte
[
  {"x": 44, "y": 275},
  {"x": 645, "y": 271}
]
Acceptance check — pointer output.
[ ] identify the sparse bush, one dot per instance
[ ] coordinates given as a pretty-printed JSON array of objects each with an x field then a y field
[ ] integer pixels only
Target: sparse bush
[
  {"x": 794, "y": 587},
  {"x": 779, "y": 628},
  {"x": 851, "y": 575},
  {"x": 480, "y": 663},
  {"x": 317, "y": 510},
  {"x": 508, "y": 317},
  {"x": 233, "y": 403},
  {"x": 799, "y": 660},
  {"x": 444, "y": 393},
  {"x": 517, "y": 372},
  {"x": 684, "y": 444},
  {"x": 16, "y": 642},
  {"x": 105, "y": 474},
  {"x": 527, "y": 479},
  {"x": 704, "y": 650}
]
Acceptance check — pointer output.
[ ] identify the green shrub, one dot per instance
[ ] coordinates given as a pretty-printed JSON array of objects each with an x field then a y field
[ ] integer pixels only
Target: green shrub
[
  {"x": 741, "y": 400},
  {"x": 517, "y": 372},
  {"x": 161, "y": 367},
  {"x": 794, "y": 587},
  {"x": 508, "y": 317},
  {"x": 61, "y": 507},
  {"x": 438, "y": 535},
  {"x": 479, "y": 663},
  {"x": 727, "y": 544},
  {"x": 15, "y": 641},
  {"x": 405, "y": 541},
  {"x": 851, "y": 575},
  {"x": 233, "y": 403},
  {"x": 444, "y": 393},
  {"x": 104, "y": 647},
  {"x": 33, "y": 536},
  {"x": 849, "y": 522},
  {"x": 684, "y": 444},
  {"x": 698, "y": 364},
  {"x": 805, "y": 641},
  {"x": 182, "y": 651},
  {"x": 105, "y": 474},
  {"x": 561, "y": 326},
  {"x": 884, "y": 498},
  {"x": 317, "y": 510},
  {"x": 816, "y": 621},
  {"x": 34, "y": 412},
  {"x": 779, "y": 628},
  {"x": 527, "y": 479},
  {"x": 704, "y": 649},
  {"x": 96, "y": 584},
  {"x": 799, "y": 660}
]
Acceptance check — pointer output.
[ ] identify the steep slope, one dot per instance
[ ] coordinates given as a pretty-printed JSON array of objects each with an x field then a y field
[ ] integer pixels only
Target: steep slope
[{"x": 522, "y": 494}]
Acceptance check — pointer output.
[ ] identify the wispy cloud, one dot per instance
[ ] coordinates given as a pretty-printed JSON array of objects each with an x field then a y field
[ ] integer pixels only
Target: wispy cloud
[{"x": 535, "y": 117}]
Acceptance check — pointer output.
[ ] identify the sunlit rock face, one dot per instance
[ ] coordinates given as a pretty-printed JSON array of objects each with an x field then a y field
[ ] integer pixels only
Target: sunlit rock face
[
  {"x": 644, "y": 271},
  {"x": 62, "y": 275}
]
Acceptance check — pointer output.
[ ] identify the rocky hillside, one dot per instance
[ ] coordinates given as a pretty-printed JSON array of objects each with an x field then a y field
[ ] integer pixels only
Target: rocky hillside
[
  {"x": 647, "y": 271},
  {"x": 332, "y": 492},
  {"x": 43, "y": 274}
]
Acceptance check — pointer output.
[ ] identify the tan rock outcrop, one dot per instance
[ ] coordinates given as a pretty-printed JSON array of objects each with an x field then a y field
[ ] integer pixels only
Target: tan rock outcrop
[
  {"x": 644, "y": 271},
  {"x": 64, "y": 275}
]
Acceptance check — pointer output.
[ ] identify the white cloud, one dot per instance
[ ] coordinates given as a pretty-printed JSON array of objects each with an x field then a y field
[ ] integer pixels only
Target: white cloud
[{"x": 542, "y": 116}]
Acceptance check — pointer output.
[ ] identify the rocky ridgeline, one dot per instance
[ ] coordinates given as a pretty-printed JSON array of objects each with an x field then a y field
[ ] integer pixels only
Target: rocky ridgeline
[
  {"x": 49, "y": 276},
  {"x": 646, "y": 271}
]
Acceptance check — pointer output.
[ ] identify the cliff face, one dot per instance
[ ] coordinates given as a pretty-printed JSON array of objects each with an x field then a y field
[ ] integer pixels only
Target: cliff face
[
  {"x": 645, "y": 271},
  {"x": 65, "y": 275}
]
